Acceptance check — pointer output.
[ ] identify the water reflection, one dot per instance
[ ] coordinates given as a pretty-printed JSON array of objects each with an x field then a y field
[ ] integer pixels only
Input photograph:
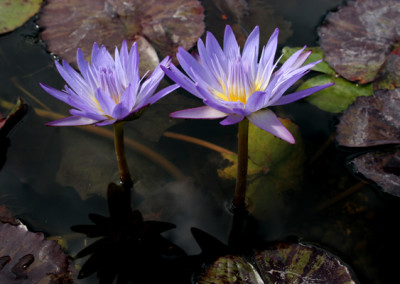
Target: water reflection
[{"x": 130, "y": 248}]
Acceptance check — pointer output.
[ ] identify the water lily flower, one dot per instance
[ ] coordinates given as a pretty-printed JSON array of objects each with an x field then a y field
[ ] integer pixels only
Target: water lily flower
[
  {"x": 108, "y": 89},
  {"x": 236, "y": 86}
]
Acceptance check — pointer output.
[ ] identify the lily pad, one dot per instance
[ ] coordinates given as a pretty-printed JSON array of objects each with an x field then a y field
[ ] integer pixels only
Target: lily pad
[
  {"x": 382, "y": 167},
  {"x": 359, "y": 38},
  {"x": 26, "y": 257},
  {"x": 338, "y": 97},
  {"x": 280, "y": 263},
  {"x": 371, "y": 121},
  {"x": 275, "y": 166},
  {"x": 374, "y": 121},
  {"x": 14, "y": 13},
  {"x": 163, "y": 25}
]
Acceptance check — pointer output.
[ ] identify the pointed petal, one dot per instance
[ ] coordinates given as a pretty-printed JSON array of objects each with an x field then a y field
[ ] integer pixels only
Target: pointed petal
[
  {"x": 232, "y": 119},
  {"x": 256, "y": 101},
  {"x": 178, "y": 77},
  {"x": 105, "y": 101},
  {"x": 90, "y": 115},
  {"x": 231, "y": 47},
  {"x": 300, "y": 94},
  {"x": 267, "y": 120},
  {"x": 72, "y": 121},
  {"x": 250, "y": 49},
  {"x": 120, "y": 111},
  {"x": 159, "y": 95},
  {"x": 106, "y": 122},
  {"x": 203, "y": 112}
]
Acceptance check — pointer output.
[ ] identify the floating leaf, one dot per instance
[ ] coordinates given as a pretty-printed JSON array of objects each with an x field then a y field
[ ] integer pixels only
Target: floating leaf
[
  {"x": 382, "y": 167},
  {"x": 371, "y": 121},
  {"x": 14, "y": 13},
  {"x": 164, "y": 25},
  {"x": 338, "y": 97},
  {"x": 359, "y": 37},
  {"x": 27, "y": 257},
  {"x": 389, "y": 76},
  {"x": 231, "y": 269},
  {"x": 280, "y": 263},
  {"x": 317, "y": 54},
  {"x": 275, "y": 166}
]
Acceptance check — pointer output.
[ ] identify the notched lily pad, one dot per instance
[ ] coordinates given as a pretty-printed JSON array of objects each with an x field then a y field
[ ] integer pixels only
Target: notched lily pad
[
  {"x": 14, "y": 13},
  {"x": 359, "y": 38},
  {"x": 371, "y": 121},
  {"x": 280, "y": 263},
  {"x": 382, "y": 167},
  {"x": 26, "y": 257},
  {"x": 163, "y": 25}
]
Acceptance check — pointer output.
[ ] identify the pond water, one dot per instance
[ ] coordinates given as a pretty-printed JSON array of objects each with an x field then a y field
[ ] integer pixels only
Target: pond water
[{"x": 54, "y": 177}]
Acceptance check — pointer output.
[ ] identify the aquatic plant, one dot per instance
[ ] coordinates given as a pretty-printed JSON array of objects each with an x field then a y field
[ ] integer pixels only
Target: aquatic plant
[
  {"x": 108, "y": 91},
  {"x": 239, "y": 87}
]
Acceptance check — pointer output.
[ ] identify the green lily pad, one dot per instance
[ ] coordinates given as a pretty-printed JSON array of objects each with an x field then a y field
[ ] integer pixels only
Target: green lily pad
[
  {"x": 338, "y": 97},
  {"x": 14, "y": 13},
  {"x": 280, "y": 263},
  {"x": 275, "y": 166},
  {"x": 317, "y": 54}
]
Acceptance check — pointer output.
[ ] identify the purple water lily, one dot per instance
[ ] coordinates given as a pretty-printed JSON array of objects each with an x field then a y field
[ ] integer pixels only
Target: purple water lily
[
  {"x": 236, "y": 86},
  {"x": 109, "y": 89}
]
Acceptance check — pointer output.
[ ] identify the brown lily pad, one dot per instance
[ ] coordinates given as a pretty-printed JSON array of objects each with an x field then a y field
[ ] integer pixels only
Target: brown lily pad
[
  {"x": 26, "y": 257},
  {"x": 371, "y": 121},
  {"x": 280, "y": 263},
  {"x": 164, "y": 25},
  {"x": 359, "y": 38},
  {"x": 382, "y": 167}
]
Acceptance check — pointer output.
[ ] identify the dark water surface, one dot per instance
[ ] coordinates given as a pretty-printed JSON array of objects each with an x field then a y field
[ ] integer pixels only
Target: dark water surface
[{"x": 54, "y": 177}]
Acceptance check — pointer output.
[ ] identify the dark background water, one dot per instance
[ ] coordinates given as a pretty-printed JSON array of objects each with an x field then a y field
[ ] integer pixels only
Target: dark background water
[{"x": 54, "y": 177}]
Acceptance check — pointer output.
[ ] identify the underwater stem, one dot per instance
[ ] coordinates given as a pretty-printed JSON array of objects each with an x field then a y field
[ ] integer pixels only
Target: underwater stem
[
  {"x": 120, "y": 152},
  {"x": 240, "y": 190}
]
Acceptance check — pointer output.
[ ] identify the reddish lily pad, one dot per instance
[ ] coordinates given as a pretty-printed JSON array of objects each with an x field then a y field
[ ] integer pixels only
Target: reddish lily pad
[
  {"x": 164, "y": 25},
  {"x": 26, "y": 257},
  {"x": 14, "y": 13},
  {"x": 359, "y": 38},
  {"x": 382, "y": 167},
  {"x": 280, "y": 263},
  {"x": 371, "y": 121}
]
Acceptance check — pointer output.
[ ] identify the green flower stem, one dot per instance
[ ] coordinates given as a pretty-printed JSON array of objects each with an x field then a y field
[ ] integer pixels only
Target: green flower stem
[
  {"x": 241, "y": 179},
  {"x": 120, "y": 152}
]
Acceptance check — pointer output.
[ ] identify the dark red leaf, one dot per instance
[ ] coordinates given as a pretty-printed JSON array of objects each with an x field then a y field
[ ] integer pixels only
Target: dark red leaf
[
  {"x": 359, "y": 37},
  {"x": 163, "y": 24},
  {"x": 28, "y": 257},
  {"x": 371, "y": 121},
  {"x": 381, "y": 167}
]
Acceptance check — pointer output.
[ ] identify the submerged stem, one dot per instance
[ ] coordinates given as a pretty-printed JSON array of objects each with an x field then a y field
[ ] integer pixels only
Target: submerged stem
[
  {"x": 241, "y": 179},
  {"x": 120, "y": 153}
]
